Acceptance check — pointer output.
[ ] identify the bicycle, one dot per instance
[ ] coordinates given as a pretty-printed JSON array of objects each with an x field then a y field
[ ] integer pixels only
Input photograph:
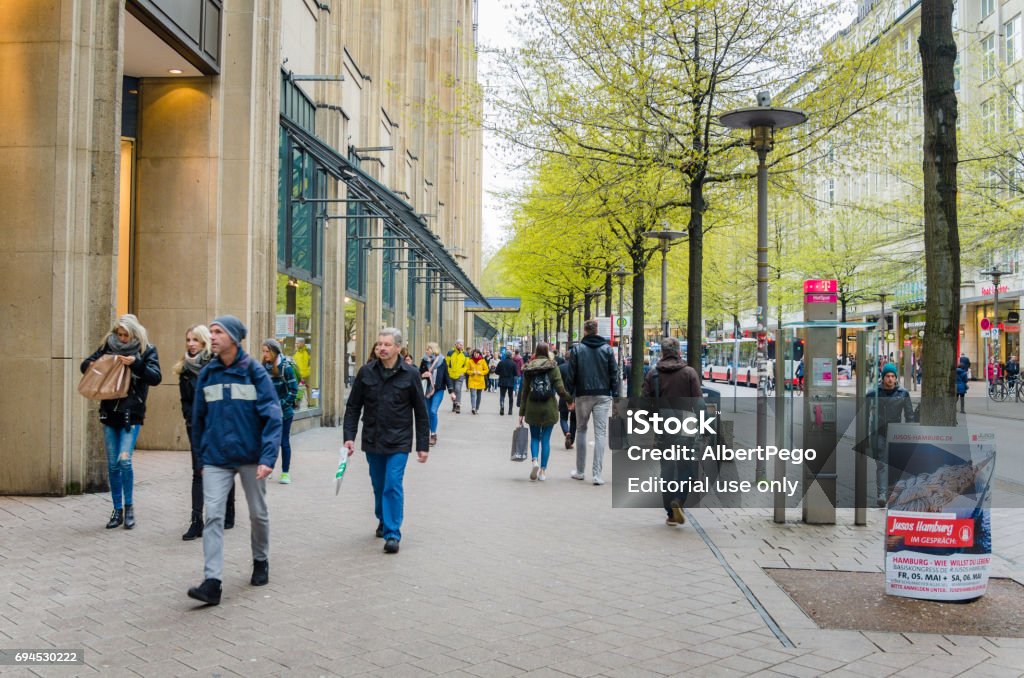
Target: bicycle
[{"x": 997, "y": 390}]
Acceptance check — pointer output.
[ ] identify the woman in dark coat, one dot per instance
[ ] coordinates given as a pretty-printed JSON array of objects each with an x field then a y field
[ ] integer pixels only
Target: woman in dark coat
[
  {"x": 539, "y": 407},
  {"x": 122, "y": 418}
]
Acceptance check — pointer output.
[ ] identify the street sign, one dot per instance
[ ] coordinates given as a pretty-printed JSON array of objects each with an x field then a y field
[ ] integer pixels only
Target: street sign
[
  {"x": 995, "y": 332},
  {"x": 985, "y": 323},
  {"x": 622, "y": 322}
]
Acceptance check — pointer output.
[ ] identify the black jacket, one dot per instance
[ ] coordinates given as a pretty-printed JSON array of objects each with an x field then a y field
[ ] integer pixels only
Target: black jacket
[
  {"x": 187, "y": 392},
  {"x": 592, "y": 368},
  {"x": 131, "y": 409},
  {"x": 506, "y": 371},
  {"x": 893, "y": 406},
  {"x": 387, "y": 404}
]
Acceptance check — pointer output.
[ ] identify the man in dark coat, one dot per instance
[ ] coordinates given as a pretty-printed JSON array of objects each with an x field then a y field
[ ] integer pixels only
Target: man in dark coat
[
  {"x": 672, "y": 377},
  {"x": 889, "y": 403},
  {"x": 506, "y": 371},
  {"x": 387, "y": 393}
]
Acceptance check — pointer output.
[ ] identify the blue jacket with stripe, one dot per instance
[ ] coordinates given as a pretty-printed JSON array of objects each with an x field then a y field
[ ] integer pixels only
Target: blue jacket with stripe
[{"x": 236, "y": 416}]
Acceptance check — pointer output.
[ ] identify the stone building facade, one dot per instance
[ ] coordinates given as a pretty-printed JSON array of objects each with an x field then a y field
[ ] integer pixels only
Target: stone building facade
[{"x": 312, "y": 167}]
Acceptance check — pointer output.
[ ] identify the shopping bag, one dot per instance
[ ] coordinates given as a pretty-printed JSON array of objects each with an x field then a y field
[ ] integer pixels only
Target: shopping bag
[
  {"x": 106, "y": 378},
  {"x": 520, "y": 443}
]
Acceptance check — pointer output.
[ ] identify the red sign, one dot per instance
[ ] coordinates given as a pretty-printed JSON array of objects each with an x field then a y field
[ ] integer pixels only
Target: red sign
[
  {"x": 985, "y": 323},
  {"x": 821, "y": 298},
  {"x": 986, "y": 290},
  {"x": 934, "y": 532},
  {"x": 821, "y": 286}
]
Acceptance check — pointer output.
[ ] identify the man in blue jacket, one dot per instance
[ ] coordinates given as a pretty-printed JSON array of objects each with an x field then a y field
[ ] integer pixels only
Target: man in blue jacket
[{"x": 236, "y": 423}]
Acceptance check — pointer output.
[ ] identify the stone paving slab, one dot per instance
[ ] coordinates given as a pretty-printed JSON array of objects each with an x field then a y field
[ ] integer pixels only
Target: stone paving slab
[{"x": 497, "y": 576}]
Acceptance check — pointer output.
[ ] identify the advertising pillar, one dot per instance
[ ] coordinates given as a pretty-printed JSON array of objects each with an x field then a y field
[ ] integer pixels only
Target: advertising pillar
[{"x": 820, "y": 297}]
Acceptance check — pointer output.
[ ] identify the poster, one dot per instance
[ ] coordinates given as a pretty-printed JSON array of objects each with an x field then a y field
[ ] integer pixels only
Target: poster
[
  {"x": 938, "y": 539},
  {"x": 821, "y": 371}
]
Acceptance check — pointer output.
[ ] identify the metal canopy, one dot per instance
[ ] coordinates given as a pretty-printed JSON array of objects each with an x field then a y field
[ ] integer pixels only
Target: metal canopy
[{"x": 384, "y": 202}]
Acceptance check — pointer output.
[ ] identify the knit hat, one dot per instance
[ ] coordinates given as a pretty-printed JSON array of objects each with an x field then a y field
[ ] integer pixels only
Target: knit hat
[
  {"x": 889, "y": 368},
  {"x": 273, "y": 346},
  {"x": 232, "y": 325}
]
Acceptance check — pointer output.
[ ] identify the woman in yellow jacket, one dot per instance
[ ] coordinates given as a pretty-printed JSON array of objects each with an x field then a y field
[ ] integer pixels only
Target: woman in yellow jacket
[{"x": 477, "y": 378}]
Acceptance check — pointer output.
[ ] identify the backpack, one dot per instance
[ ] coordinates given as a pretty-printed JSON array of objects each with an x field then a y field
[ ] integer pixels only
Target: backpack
[{"x": 541, "y": 388}]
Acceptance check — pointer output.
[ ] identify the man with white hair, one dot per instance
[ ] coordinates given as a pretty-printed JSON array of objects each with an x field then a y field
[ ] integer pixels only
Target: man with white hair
[{"x": 387, "y": 392}]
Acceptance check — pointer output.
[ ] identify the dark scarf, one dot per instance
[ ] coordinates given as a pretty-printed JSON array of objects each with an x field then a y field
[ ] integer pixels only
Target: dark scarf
[
  {"x": 117, "y": 348},
  {"x": 195, "y": 363}
]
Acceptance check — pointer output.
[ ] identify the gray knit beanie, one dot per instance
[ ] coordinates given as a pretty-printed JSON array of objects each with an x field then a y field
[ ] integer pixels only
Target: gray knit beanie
[{"x": 232, "y": 325}]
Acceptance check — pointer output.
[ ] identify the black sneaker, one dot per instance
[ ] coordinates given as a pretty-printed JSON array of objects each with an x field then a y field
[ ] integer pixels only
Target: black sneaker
[
  {"x": 116, "y": 518},
  {"x": 380, "y": 530},
  {"x": 260, "y": 572},
  {"x": 208, "y": 592},
  {"x": 391, "y": 546},
  {"x": 229, "y": 516}
]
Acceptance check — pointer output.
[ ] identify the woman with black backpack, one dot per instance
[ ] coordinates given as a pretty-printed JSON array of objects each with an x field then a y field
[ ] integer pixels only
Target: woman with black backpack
[{"x": 539, "y": 407}]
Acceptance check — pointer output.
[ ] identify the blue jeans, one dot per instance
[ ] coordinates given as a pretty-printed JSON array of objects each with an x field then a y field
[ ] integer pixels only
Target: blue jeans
[
  {"x": 433, "y": 405},
  {"x": 386, "y": 473},
  {"x": 120, "y": 444},
  {"x": 475, "y": 394},
  {"x": 540, "y": 437},
  {"x": 286, "y": 444}
]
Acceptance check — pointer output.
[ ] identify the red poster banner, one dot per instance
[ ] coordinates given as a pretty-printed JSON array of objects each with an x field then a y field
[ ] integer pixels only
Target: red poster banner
[{"x": 933, "y": 532}]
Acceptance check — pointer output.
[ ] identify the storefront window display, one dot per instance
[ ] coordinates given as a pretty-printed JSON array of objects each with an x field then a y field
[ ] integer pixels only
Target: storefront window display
[{"x": 298, "y": 328}]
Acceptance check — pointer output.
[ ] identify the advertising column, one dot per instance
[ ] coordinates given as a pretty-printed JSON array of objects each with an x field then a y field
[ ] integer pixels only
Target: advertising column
[{"x": 820, "y": 403}]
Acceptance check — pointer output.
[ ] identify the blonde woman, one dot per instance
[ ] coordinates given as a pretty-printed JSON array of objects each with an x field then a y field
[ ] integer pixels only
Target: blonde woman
[
  {"x": 436, "y": 376},
  {"x": 122, "y": 418},
  {"x": 197, "y": 354}
]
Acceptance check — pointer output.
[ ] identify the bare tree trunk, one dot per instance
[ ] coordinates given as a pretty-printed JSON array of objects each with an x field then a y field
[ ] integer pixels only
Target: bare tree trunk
[
  {"x": 695, "y": 294},
  {"x": 941, "y": 234},
  {"x": 636, "y": 341}
]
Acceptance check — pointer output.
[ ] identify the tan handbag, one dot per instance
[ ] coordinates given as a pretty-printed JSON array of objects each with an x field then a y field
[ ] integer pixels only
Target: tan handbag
[{"x": 106, "y": 378}]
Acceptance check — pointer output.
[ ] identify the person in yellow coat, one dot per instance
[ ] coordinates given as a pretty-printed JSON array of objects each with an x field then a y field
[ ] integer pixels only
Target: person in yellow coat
[
  {"x": 476, "y": 373},
  {"x": 457, "y": 363}
]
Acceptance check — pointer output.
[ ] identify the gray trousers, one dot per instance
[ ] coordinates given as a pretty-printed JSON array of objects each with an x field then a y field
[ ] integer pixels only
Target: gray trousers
[
  {"x": 459, "y": 383},
  {"x": 217, "y": 482},
  {"x": 600, "y": 407}
]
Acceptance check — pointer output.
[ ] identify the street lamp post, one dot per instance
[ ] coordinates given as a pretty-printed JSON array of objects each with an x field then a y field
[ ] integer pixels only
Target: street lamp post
[
  {"x": 762, "y": 121},
  {"x": 996, "y": 273},
  {"x": 620, "y": 275},
  {"x": 665, "y": 237}
]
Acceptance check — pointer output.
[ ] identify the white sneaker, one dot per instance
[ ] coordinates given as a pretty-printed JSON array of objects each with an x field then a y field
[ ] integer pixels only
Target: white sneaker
[
  {"x": 542, "y": 475},
  {"x": 576, "y": 475},
  {"x": 598, "y": 481},
  {"x": 535, "y": 470}
]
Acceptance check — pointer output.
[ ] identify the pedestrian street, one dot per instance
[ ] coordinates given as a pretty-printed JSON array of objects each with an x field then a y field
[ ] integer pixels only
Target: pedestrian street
[{"x": 497, "y": 576}]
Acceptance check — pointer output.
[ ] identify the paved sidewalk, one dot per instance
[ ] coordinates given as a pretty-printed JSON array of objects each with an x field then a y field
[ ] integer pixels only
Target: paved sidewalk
[{"x": 497, "y": 576}]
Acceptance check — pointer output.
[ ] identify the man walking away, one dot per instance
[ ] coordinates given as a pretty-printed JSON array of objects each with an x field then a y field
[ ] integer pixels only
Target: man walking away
[
  {"x": 594, "y": 379},
  {"x": 458, "y": 364},
  {"x": 506, "y": 371},
  {"x": 673, "y": 378},
  {"x": 236, "y": 419},
  {"x": 387, "y": 393},
  {"x": 519, "y": 362}
]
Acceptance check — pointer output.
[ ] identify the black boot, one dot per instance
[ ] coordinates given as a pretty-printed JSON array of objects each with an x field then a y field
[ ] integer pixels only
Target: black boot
[
  {"x": 260, "y": 572},
  {"x": 380, "y": 529},
  {"x": 208, "y": 592},
  {"x": 229, "y": 515},
  {"x": 116, "y": 518},
  {"x": 129, "y": 516},
  {"x": 195, "y": 528}
]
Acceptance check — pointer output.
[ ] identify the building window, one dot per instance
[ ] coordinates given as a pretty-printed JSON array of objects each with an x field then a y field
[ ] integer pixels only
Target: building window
[
  {"x": 987, "y": 7},
  {"x": 956, "y": 73},
  {"x": 391, "y": 256},
  {"x": 1011, "y": 31},
  {"x": 410, "y": 284},
  {"x": 357, "y": 230},
  {"x": 988, "y": 56},
  {"x": 956, "y": 16},
  {"x": 298, "y": 329},
  {"x": 988, "y": 118}
]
